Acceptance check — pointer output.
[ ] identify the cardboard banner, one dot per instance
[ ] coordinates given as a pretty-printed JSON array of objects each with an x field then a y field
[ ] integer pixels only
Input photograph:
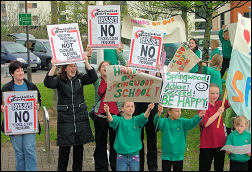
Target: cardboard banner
[
  {"x": 185, "y": 90},
  {"x": 20, "y": 115},
  {"x": 173, "y": 28},
  {"x": 183, "y": 60},
  {"x": 104, "y": 26},
  {"x": 145, "y": 48},
  {"x": 238, "y": 81},
  {"x": 237, "y": 149},
  {"x": 65, "y": 43},
  {"x": 126, "y": 84}
]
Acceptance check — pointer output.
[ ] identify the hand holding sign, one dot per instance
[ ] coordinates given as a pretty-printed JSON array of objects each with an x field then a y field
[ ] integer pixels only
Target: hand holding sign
[{"x": 202, "y": 113}]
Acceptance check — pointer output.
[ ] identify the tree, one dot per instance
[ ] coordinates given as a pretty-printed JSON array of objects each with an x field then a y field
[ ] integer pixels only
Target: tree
[{"x": 207, "y": 10}]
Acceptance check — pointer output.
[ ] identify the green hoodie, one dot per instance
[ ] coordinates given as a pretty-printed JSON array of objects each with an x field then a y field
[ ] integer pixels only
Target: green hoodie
[
  {"x": 174, "y": 133},
  {"x": 196, "y": 67},
  {"x": 237, "y": 139},
  {"x": 226, "y": 46},
  {"x": 128, "y": 134}
]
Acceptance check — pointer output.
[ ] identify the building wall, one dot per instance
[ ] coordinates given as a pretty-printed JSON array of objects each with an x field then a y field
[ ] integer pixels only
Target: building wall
[{"x": 234, "y": 13}]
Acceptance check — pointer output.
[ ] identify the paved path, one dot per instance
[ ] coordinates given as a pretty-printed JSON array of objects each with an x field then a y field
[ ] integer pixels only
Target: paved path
[{"x": 8, "y": 158}]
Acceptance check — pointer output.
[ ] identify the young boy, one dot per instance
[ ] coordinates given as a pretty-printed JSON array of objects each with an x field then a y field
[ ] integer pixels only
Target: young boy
[
  {"x": 239, "y": 137},
  {"x": 226, "y": 48},
  {"x": 212, "y": 139},
  {"x": 128, "y": 135},
  {"x": 174, "y": 130}
]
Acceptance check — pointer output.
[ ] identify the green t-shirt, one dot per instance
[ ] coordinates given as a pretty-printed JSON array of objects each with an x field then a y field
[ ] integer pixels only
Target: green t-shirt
[
  {"x": 111, "y": 56},
  {"x": 128, "y": 134},
  {"x": 237, "y": 139},
  {"x": 215, "y": 76},
  {"x": 174, "y": 134},
  {"x": 215, "y": 51},
  {"x": 196, "y": 67}
]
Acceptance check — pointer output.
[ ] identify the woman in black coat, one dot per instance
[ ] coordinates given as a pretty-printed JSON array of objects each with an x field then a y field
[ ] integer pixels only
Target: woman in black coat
[{"x": 73, "y": 127}]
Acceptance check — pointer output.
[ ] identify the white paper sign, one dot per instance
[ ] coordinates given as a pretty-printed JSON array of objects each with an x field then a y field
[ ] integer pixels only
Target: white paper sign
[
  {"x": 185, "y": 90},
  {"x": 238, "y": 149},
  {"x": 65, "y": 43},
  {"x": 145, "y": 48},
  {"x": 104, "y": 26},
  {"x": 20, "y": 115}
]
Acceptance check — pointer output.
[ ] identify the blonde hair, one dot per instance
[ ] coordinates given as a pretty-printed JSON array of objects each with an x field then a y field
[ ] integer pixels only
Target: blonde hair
[
  {"x": 238, "y": 120},
  {"x": 215, "y": 43},
  {"x": 216, "y": 61}
]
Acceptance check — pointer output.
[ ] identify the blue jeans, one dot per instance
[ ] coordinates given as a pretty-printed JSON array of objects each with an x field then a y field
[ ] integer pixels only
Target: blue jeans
[
  {"x": 127, "y": 162},
  {"x": 25, "y": 151}
]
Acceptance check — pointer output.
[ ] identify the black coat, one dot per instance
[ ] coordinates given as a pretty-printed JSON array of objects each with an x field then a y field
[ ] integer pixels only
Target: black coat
[
  {"x": 73, "y": 127},
  {"x": 10, "y": 87}
]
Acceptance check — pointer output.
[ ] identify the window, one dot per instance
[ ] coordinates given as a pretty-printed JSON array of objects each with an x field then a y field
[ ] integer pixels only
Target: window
[
  {"x": 21, "y": 5},
  {"x": 246, "y": 14},
  {"x": 3, "y": 8},
  {"x": 200, "y": 25},
  {"x": 34, "y": 5},
  {"x": 222, "y": 19},
  {"x": 201, "y": 13},
  {"x": 39, "y": 47}
]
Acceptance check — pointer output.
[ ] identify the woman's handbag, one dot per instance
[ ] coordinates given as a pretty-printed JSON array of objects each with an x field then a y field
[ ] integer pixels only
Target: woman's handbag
[{"x": 91, "y": 113}]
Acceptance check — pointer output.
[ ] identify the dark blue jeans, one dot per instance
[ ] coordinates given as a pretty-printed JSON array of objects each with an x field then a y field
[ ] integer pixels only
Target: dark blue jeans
[{"x": 127, "y": 162}]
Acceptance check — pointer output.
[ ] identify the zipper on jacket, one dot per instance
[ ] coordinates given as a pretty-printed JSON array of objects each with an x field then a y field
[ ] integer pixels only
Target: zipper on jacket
[{"x": 73, "y": 108}]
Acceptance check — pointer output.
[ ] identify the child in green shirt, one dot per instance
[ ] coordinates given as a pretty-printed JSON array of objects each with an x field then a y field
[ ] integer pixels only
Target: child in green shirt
[
  {"x": 215, "y": 49},
  {"x": 174, "y": 130},
  {"x": 239, "y": 137},
  {"x": 128, "y": 135}
]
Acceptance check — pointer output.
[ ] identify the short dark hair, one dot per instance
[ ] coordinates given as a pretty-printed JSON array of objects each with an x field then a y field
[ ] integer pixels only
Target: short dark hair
[{"x": 15, "y": 65}]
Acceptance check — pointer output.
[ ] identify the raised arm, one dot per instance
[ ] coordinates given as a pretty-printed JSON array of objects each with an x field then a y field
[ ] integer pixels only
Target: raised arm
[
  {"x": 109, "y": 116},
  {"x": 147, "y": 112}
]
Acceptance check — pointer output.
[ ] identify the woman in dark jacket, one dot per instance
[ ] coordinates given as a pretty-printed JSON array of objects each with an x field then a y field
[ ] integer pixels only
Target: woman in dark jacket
[{"x": 73, "y": 127}]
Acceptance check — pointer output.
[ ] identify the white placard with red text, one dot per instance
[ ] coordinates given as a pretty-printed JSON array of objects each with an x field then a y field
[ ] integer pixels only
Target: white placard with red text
[
  {"x": 104, "y": 26},
  {"x": 20, "y": 115},
  {"x": 145, "y": 48},
  {"x": 65, "y": 43}
]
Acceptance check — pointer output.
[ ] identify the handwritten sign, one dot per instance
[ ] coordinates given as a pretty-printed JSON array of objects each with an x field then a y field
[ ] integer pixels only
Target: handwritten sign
[
  {"x": 145, "y": 48},
  {"x": 104, "y": 26},
  {"x": 20, "y": 115},
  {"x": 238, "y": 149},
  {"x": 185, "y": 90},
  {"x": 183, "y": 60},
  {"x": 238, "y": 81},
  {"x": 126, "y": 84},
  {"x": 65, "y": 43},
  {"x": 173, "y": 28}
]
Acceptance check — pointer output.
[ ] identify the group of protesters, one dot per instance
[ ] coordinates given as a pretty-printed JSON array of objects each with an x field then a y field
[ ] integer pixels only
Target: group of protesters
[{"x": 125, "y": 121}]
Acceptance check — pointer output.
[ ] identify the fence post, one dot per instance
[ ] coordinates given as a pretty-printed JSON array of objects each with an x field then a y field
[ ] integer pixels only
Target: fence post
[{"x": 47, "y": 134}]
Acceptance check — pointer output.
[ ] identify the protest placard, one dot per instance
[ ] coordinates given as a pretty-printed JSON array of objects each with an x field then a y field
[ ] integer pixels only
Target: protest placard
[
  {"x": 65, "y": 43},
  {"x": 238, "y": 82},
  {"x": 173, "y": 28},
  {"x": 145, "y": 48},
  {"x": 104, "y": 26},
  {"x": 183, "y": 60},
  {"x": 20, "y": 115},
  {"x": 126, "y": 84},
  {"x": 185, "y": 90}
]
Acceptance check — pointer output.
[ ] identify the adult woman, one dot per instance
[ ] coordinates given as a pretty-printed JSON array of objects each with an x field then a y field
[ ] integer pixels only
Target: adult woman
[
  {"x": 102, "y": 125},
  {"x": 24, "y": 145},
  {"x": 193, "y": 45},
  {"x": 73, "y": 127}
]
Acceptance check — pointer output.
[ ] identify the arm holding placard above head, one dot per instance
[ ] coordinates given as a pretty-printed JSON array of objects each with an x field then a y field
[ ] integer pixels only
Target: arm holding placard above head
[
  {"x": 109, "y": 116},
  {"x": 87, "y": 65},
  {"x": 52, "y": 70}
]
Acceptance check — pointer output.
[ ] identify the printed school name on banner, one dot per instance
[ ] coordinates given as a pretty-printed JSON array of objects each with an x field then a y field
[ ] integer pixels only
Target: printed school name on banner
[
  {"x": 104, "y": 26},
  {"x": 185, "y": 90},
  {"x": 65, "y": 42},
  {"x": 145, "y": 48},
  {"x": 126, "y": 84}
]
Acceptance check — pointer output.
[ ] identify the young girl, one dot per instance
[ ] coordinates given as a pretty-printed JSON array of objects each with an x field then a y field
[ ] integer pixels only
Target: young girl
[
  {"x": 212, "y": 139},
  {"x": 215, "y": 49},
  {"x": 239, "y": 137},
  {"x": 128, "y": 135},
  {"x": 214, "y": 71},
  {"x": 193, "y": 45},
  {"x": 174, "y": 130}
]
